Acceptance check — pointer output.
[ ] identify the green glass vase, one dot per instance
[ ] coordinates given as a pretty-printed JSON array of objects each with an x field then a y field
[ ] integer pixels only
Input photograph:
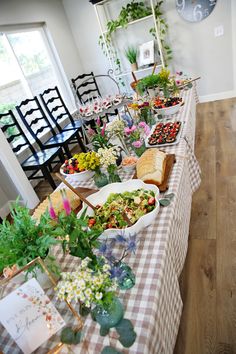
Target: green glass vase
[
  {"x": 112, "y": 174},
  {"x": 127, "y": 278},
  {"x": 100, "y": 179},
  {"x": 109, "y": 315}
]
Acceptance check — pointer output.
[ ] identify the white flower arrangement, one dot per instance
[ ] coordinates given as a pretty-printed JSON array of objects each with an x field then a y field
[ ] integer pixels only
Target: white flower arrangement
[
  {"x": 85, "y": 285},
  {"x": 108, "y": 156},
  {"x": 116, "y": 127}
]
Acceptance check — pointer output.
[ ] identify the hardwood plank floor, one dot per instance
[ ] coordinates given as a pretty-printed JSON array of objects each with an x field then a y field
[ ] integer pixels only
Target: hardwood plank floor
[{"x": 208, "y": 280}]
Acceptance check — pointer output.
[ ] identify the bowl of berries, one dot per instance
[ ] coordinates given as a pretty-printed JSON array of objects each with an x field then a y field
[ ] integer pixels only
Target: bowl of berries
[
  {"x": 71, "y": 167},
  {"x": 167, "y": 106}
]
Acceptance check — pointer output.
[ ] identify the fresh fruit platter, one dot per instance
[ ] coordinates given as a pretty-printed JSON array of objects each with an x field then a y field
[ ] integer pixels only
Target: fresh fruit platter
[
  {"x": 167, "y": 106},
  {"x": 71, "y": 167},
  {"x": 122, "y": 208},
  {"x": 163, "y": 134}
]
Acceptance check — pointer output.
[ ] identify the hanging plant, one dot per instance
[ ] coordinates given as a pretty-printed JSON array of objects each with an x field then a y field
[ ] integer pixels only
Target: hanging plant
[{"x": 131, "y": 12}]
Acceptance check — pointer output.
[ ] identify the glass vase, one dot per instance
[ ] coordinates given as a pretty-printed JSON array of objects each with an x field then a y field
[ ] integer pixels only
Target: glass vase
[
  {"x": 112, "y": 174},
  {"x": 127, "y": 277},
  {"x": 100, "y": 179},
  {"x": 110, "y": 314},
  {"x": 139, "y": 150}
]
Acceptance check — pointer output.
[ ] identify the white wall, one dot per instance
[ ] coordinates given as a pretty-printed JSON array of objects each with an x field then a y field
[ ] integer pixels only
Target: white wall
[{"x": 196, "y": 50}]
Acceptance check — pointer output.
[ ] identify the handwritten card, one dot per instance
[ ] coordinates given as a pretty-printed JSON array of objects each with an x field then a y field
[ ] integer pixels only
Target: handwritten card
[{"x": 29, "y": 316}]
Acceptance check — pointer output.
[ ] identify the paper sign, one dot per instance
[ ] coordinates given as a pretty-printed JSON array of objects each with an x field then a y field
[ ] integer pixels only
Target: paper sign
[{"x": 29, "y": 316}]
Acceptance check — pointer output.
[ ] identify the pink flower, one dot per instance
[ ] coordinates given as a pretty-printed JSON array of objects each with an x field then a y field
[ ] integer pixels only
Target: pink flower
[
  {"x": 91, "y": 132},
  {"x": 103, "y": 130},
  {"x": 147, "y": 130},
  {"x": 52, "y": 212},
  {"x": 177, "y": 82},
  {"x": 66, "y": 203},
  {"x": 137, "y": 144},
  {"x": 133, "y": 128},
  {"x": 142, "y": 124},
  {"x": 98, "y": 122},
  {"x": 127, "y": 130}
]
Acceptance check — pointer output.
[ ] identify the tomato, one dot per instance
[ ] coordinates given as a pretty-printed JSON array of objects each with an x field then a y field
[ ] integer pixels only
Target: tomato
[
  {"x": 91, "y": 222},
  {"x": 151, "y": 201}
]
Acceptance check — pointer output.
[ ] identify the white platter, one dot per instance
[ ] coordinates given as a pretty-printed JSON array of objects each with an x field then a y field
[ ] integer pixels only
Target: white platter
[
  {"x": 165, "y": 144},
  {"x": 130, "y": 185}
]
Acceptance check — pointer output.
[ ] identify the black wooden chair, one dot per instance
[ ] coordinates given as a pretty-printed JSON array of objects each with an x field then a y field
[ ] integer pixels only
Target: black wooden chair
[
  {"x": 87, "y": 90},
  {"x": 58, "y": 112},
  {"x": 38, "y": 160},
  {"x": 36, "y": 121}
]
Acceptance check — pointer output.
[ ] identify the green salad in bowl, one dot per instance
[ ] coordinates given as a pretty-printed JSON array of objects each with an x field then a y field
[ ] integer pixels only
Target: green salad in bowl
[{"x": 133, "y": 204}]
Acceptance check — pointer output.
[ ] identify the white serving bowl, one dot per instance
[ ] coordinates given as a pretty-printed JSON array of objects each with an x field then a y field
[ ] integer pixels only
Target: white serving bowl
[
  {"x": 168, "y": 111},
  {"x": 80, "y": 176},
  {"x": 100, "y": 198}
]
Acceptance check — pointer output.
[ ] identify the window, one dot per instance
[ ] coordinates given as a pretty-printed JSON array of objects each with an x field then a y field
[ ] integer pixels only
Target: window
[{"x": 28, "y": 67}]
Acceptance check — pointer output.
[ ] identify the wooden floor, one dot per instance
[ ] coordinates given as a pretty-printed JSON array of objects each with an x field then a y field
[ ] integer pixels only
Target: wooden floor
[{"x": 208, "y": 281}]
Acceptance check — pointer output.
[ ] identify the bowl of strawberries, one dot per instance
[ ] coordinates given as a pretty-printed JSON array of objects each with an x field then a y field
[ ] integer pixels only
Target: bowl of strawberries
[
  {"x": 71, "y": 168},
  {"x": 167, "y": 106}
]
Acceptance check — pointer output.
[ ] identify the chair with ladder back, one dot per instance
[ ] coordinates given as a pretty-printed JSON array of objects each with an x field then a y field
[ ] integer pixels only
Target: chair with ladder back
[
  {"x": 38, "y": 125},
  {"x": 59, "y": 113},
  {"x": 38, "y": 160}
]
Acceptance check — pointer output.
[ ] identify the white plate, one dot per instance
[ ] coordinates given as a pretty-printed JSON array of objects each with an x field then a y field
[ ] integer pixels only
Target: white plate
[
  {"x": 81, "y": 176},
  {"x": 165, "y": 144},
  {"x": 100, "y": 198}
]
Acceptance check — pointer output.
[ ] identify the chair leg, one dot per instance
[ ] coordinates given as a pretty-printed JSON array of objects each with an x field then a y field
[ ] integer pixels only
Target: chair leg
[
  {"x": 67, "y": 151},
  {"x": 48, "y": 177},
  {"x": 61, "y": 156},
  {"x": 81, "y": 144},
  {"x": 50, "y": 168}
]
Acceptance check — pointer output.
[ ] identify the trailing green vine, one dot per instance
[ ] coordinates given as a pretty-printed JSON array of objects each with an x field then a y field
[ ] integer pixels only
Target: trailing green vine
[
  {"x": 131, "y": 12},
  {"x": 162, "y": 29}
]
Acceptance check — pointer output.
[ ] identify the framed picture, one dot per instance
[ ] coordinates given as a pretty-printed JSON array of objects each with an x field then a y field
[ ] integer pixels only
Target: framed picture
[
  {"x": 146, "y": 53},
  {"x": 31, "y": 317}
]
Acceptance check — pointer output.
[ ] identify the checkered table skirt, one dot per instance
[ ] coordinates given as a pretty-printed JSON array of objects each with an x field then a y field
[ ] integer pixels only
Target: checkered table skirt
[{"x": 154, "y": 304}]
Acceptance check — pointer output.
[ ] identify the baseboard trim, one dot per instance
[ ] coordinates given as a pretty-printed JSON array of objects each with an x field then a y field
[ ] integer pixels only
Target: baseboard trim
[{"x": 217, "y": 96}]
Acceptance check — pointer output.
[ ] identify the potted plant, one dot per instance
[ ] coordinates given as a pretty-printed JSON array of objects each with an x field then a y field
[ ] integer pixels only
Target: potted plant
[
  {"x": 25, "y": 239},
  {"x": 131, "y": 55}
]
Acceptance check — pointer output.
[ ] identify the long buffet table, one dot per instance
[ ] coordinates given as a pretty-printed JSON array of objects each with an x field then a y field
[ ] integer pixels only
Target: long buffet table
[{"x": 154, "y": 304}]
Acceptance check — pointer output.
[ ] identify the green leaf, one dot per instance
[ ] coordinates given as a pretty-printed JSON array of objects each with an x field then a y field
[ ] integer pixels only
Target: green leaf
[
  {"x": 164, "y": 202},
  {"x": 77, "y": 337},
  {"x": 67, "y": 336},
  {"x": 104, "y": 331},
  {"x": 127, "y": 339},
  {"x": 170, "y": 195},
  {"x": 110, "y": 350}
]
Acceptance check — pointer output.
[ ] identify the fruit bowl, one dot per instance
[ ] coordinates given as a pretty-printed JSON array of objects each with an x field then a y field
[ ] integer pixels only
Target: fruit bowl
[
  {"x": 101, "y": 196},
  {"x": 79, "y": 176},
  {"x": 167, "y": 106}
]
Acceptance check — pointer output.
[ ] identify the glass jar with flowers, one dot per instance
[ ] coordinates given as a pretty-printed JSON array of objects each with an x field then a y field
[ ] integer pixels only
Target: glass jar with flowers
[
  {"x": 108, "y": 158},
  {"x": 99, "y": 136},
  {"x": 91, "y": 161},
  {"x": 94, "y": 288},
  {"x": 120, "y": 270},
  {"x": 116, "y": 129},
  {"x": 136, "y": 136}
]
